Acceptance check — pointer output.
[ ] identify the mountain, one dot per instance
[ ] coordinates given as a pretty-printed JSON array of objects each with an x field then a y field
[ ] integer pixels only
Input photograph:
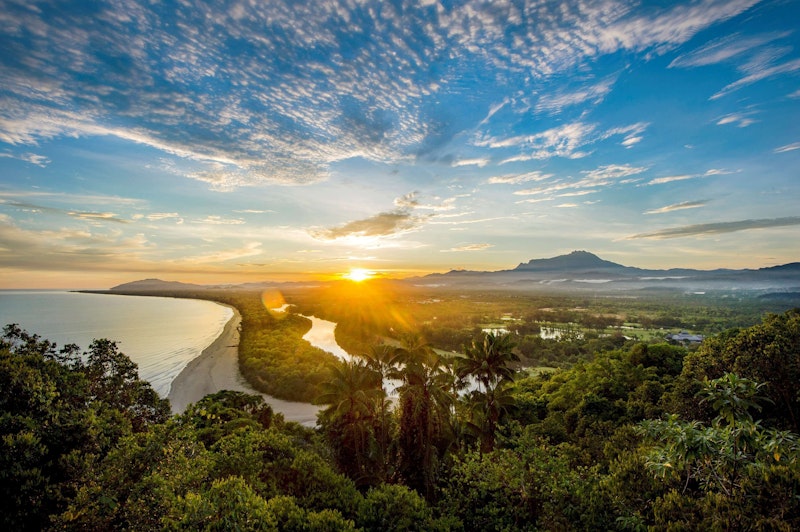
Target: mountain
[
  {"x": 584, "y": 271},
  {"x": 575, "y": 261}
]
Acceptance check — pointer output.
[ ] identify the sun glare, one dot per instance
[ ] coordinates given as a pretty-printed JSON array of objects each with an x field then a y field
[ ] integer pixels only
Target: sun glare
[{"x": 358, "y": 274}]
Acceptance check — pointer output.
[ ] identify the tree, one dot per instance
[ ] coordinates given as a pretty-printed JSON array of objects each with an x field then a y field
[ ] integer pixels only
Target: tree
[
  {"x": 425, "y": 402},
  {"x": 355, "y": 396},
  {"x": 58, "y": 417},
  {"x": 383, "y": 360},
  {"x": 114, "y": 381},
  {"x": 488, "y": 363},
  {"x": 714, "y": 472},
  {"x": 766, "y": 353}
]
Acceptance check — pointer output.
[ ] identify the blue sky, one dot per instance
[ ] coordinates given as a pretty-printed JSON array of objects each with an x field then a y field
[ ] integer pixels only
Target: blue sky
[{"x": 226, "y": 141}]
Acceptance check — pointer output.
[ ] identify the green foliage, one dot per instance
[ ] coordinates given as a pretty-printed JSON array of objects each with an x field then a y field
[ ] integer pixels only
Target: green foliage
[
  {"x": 391, "y": 507},
  {"x": 356, "y": 398},
  {"x": 229, "y": 504},
  {"x": 86, "y": 446},
  {"x": 710, "y": 470},
  {"x": 425, "y": 406},
  {"x": 529, "y": 486},
  {"x": 59, "y": 415},
  {"x": 767, "y": 353}
]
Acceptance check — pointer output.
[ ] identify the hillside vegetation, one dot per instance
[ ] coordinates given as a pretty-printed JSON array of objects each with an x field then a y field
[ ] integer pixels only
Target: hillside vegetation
[{"x": 644, "y": 436}]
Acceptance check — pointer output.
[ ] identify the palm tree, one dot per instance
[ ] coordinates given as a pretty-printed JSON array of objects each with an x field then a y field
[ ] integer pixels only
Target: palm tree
[
  {"x": 488, "y": 361},
  {"x": 487, "y": 409},
  {"x": 425, "y": 402},
  {"x": 383, "y": 360},
  {"x": 353, "y": 395}
]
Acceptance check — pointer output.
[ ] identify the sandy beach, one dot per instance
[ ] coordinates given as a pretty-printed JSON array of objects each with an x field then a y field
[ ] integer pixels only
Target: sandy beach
[{"x": 217, "y": 369}]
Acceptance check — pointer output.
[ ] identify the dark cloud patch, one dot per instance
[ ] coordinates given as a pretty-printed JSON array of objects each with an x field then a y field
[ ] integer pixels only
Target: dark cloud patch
[
  {"x": 382, "y": 224},
  {"x": 718, "y": 228}
]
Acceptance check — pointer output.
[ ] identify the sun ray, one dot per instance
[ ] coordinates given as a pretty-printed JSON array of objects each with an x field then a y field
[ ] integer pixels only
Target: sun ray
[{"x": 359, "y": 274}]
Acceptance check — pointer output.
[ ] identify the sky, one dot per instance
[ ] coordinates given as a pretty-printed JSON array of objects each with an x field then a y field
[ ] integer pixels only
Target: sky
[{"x": 228, "y": 141}]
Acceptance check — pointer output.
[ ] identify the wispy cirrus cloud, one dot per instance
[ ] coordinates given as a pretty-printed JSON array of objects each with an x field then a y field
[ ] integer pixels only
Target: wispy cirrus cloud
[
  {"x": 569, "y": 141},
  {"x": 758, "y": 57},
  {"x": 678, "y": 207},
  {"x": 479, "y": 162},
  {"x": 595, "y": 93},
  {"x": 219, "y": 220},
  {"x": 684, "y": 177},
  {"x": 516, "y": 179},
  {"x": 762, "y": 72},
  {"x": 97, "y": 216},
  {"x": 737, "y": 119},
  {"x": 73, "y": 198},
  {"x": 327, "y": 82},
  {"x": 725, "y": 49},
  {"x": 250, "y": 249},
  {"x": 592, "y": 180},
  {"x": 605, "y": 174},
  {"x": 80, "y": 215},
  {"x": 718, "y": 228},
  {"x": 788, "y": 147},
  {"x": 158, "y": 216},
  {"x": 468, "y": 247},
  {"x": 39, "y": 160}
]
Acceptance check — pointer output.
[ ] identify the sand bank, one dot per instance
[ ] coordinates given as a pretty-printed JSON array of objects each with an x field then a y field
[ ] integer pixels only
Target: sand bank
[{"x": 217, "y": 369}]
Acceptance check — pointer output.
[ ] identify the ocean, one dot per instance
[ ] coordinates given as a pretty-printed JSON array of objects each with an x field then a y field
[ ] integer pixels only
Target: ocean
[{"x": 161, "y": 335}]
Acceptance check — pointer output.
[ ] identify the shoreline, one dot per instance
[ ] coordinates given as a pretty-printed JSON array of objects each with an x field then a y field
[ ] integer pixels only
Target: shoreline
[{"x": 217, "y": 369}]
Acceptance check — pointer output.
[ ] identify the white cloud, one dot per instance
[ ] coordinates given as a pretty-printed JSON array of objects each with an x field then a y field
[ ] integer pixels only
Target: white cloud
[
  {"x": 613, "y": 171},
  {"x": 724, "y": 49},
  {"x": 630, "y": 141},
  {"x": 758, "y": 75},
  {"x": 788, "y": 147},
  {"x": 566, "y": 141},
  {"x": 378, "y": 227},
  {"x": 554, "y": 103},
  {"x": 252, "y": 106},
  {"x": 516, "y": 179},
  {"x": 157, "y": 216},
  {"x": 603, "y": 176},
  {"x": 38, "y": 160},
  {"x": 97, "y": 216},
  {"x": 684, "y": 177},
  {"x": 469, "y": 247},
  {"x": 479, "y": 162},
  {"x": 249, "y": 250},
  {"x": 738, "y": 119},
  {"x": 678, "y": 207},
  {"x": 219, "y": 220}
]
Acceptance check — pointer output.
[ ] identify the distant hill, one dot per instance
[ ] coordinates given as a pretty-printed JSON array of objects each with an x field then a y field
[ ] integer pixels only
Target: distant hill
[{"x": 151, "y": 285}]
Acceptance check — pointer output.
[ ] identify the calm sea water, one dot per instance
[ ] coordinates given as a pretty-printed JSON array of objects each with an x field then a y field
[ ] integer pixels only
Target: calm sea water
[{"x": 160, "y": 334}]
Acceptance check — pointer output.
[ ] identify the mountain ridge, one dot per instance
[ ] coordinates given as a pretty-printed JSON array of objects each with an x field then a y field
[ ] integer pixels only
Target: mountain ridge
[
  {"x": 577, "y": 270},
  {"x": 582, "y": 270}
]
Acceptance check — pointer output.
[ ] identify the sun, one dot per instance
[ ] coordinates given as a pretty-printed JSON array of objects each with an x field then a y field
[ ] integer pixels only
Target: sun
[{"x": 358, "y": 274}]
